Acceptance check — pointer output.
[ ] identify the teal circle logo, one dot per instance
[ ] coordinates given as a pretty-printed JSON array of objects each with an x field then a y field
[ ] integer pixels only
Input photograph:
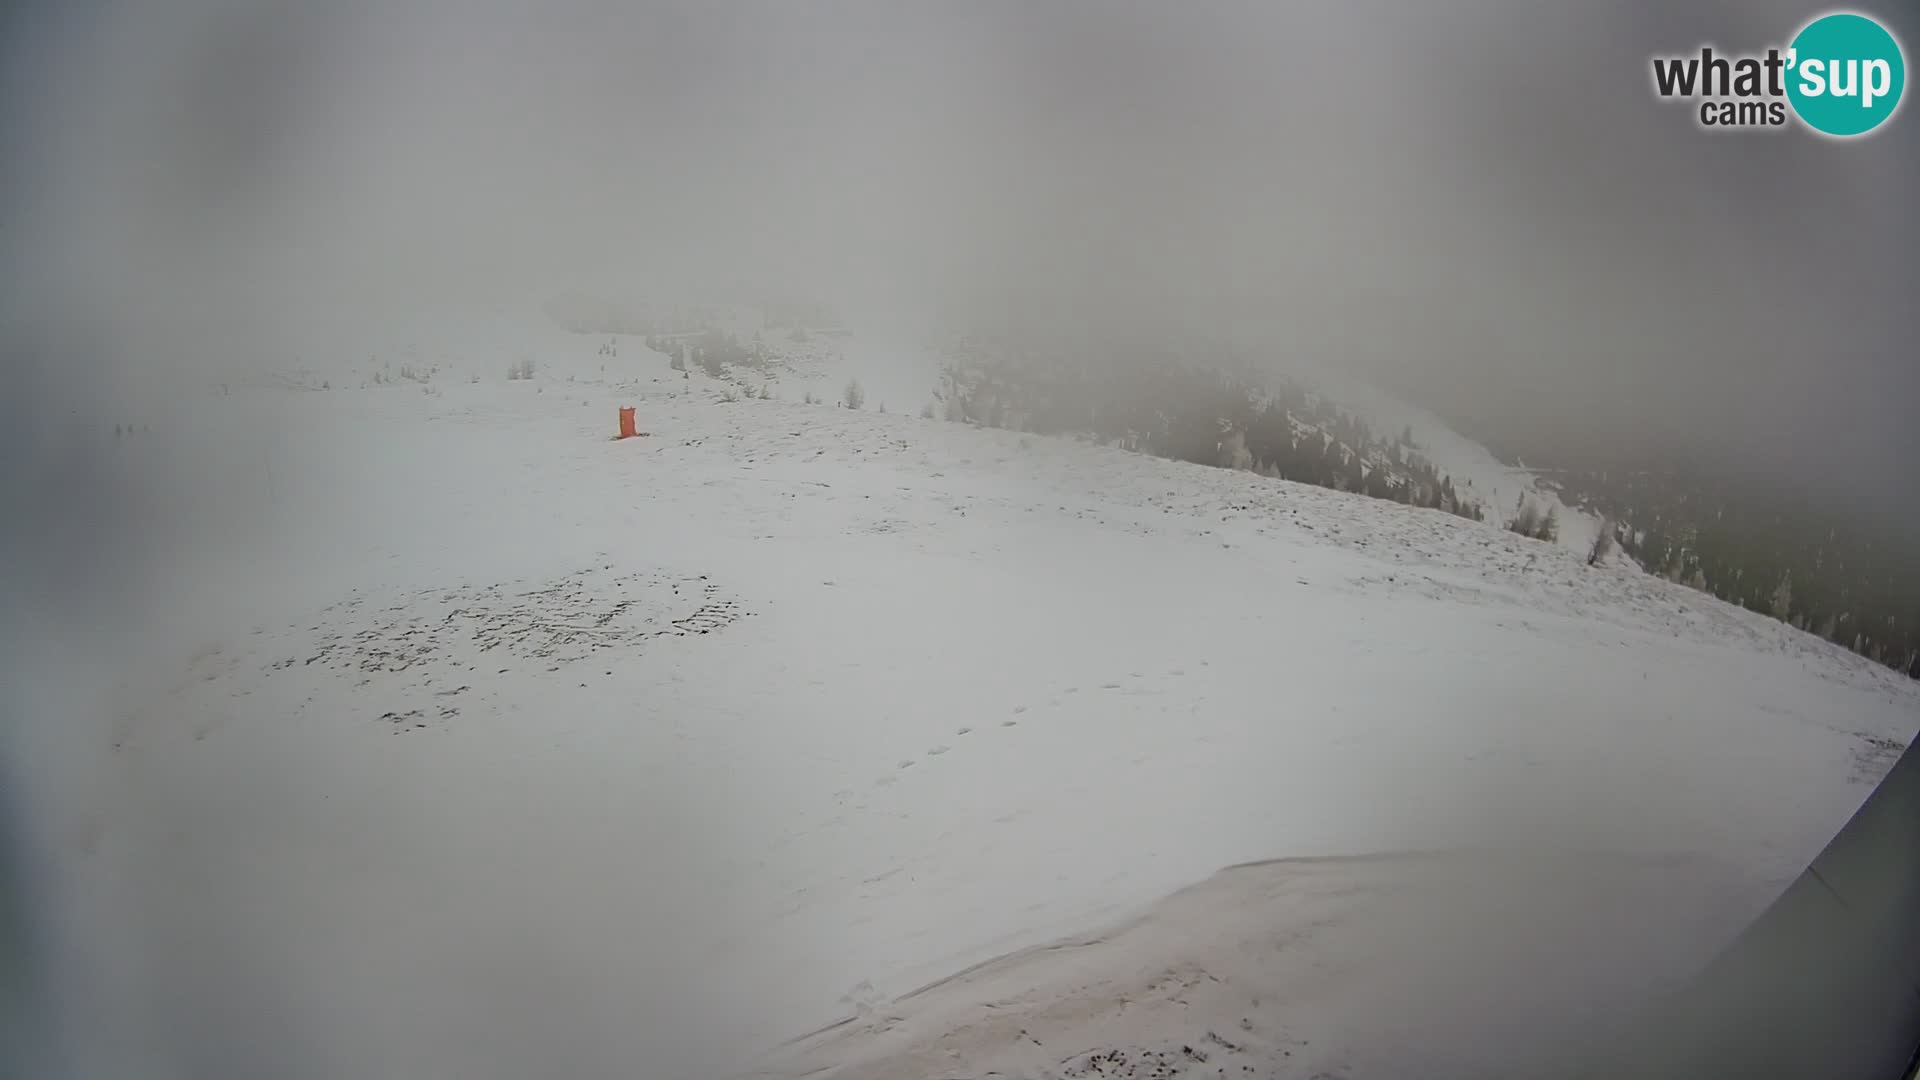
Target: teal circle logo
[{"x": 1845, "y": 74}]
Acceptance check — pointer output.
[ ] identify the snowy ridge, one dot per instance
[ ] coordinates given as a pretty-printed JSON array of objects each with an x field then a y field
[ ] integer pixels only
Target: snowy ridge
[
  {"x": 1476, "y": 472},
  {"x": 896, "y": 373}
]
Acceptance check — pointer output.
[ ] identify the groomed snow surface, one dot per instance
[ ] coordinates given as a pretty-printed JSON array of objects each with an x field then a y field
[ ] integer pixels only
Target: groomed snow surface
[{"x": 464, "y": 741}]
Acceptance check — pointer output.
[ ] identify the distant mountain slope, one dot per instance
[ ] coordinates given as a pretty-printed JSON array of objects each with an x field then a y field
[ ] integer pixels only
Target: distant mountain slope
[
  {"x": 1475, "y": 469},
  {"x": 1213, "y": 405}
]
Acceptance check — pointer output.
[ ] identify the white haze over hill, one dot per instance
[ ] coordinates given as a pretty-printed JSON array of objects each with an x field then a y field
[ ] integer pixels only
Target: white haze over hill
[{"x": 1413, "y": 194}]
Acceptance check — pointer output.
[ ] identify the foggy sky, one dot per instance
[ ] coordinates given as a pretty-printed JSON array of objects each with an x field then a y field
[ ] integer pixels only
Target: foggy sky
[{"x": 1480, "y": 204}]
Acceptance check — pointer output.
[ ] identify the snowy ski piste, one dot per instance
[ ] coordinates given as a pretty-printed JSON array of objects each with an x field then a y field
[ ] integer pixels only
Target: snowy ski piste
[{"x": 792, "y": 740}]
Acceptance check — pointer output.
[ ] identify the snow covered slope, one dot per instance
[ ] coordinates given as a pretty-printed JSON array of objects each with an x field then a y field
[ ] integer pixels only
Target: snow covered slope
[{"x": 466, "y": 741}]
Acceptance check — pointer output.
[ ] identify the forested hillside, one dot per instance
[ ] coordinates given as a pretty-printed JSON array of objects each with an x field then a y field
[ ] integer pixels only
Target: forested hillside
[
  {"x": 1193, "y": 401},
  {"x": 1847, "y": 580},
  {"x": 1152, "y": 402}
]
